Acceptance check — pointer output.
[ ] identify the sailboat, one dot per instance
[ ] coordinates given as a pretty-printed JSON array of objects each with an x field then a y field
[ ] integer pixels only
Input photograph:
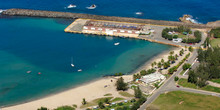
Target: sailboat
[{"x": 72, "y": 62}]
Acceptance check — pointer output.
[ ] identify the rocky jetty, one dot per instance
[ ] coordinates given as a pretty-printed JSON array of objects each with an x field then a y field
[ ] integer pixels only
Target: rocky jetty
[
  {"x": 67, "y": 15},
  {"x": 185, "y": 19}
]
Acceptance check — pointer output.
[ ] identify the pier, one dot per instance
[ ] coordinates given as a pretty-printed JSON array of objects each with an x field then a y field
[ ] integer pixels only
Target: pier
[{"x": 67, "y": 15}]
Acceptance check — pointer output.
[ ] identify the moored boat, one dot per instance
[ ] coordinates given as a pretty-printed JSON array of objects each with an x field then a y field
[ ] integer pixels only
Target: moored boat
[{"x": 92, "y": 7}]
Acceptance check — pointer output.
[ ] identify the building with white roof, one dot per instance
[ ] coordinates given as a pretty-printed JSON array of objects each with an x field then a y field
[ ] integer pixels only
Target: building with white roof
[{"x": 152, "y": 78}]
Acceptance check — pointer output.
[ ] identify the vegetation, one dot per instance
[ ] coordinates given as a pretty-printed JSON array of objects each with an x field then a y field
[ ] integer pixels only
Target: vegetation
[
  {"x": 186, "y": 66},
  {"x": 198, "y": 37},
  {"x": 95, "y": 102},
  {"x": 216, "y": 80},
  {"x": 215, "y": 42},
  {"x": 142, "y": 73},
  {"x": 215, "y": 32},
  {"x": 179, "y": 100},
  {"x": 190, "y": 49},
  {"x": 43, "y": 108},
  {"x": 208, "y": 69},
  {"x": 101, "y": 105},
  {"x": 176, "y": 78},
  {"x": 118, "y": 74},
  {"x": 117, "y": 99},
  {"x": 184, "y": 83},
  {"x": 207, "y": 42},
  {"x": 137, "y": 104},
  {"x": 65, "y": 108},
  {"x": 137, "y": 92},
  {"x": 109, "y": 94},
  {"x": 125, "y": 94},
  {"x": 121, "y": 85},
  {"x": 84, "y": 101}
]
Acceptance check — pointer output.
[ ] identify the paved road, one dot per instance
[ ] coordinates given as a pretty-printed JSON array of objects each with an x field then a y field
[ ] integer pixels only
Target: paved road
[{"x": 169, "y": 85}]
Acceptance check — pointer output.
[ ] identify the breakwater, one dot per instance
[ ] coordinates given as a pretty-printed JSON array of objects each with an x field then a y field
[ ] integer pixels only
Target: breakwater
[{"x": 67, "y": 15}]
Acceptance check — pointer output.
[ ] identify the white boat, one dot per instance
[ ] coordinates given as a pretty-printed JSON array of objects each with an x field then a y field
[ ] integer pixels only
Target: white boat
[
  {"x": 79, "y": 70},
  {"x": 138, "y": 13},
  {"x": 28, "y": 71},
  {"x": 92, "y": 7},
  {"x": 117, "y": 43},
  {"x": 71, "y": 6},
  {"x": 72, "y": 62}
]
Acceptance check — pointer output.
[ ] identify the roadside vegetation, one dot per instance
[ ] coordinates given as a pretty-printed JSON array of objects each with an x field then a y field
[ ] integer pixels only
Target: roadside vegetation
[
  {"x": 182, "y": 32},
  {"x": 185, "y": 83},
  {"x": 179, "y": 100},
  {"x": 215, "y": 37},
  {"x": 208, "y": 69}
]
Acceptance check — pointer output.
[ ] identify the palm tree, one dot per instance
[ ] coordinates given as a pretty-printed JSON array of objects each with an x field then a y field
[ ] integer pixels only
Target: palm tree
[
  {"x": 159, "y": 65},
  {"x": 152, "y": 64},
  {"x": 171, "y": 52},
  {"x": 176, "y": 57},
  {"x": 162, "y": 60}
]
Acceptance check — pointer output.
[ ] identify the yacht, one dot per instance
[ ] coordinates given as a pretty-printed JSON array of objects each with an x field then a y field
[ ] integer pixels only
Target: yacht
[
  {"x": 72, "y": 62},
  {"x": 117, "y": 43},
  {"x": 91, "y": 7},
  {"x": 79, "y": 70},
  {"x": 138, "y": 13},
  {"x": 71, "y": 6}
]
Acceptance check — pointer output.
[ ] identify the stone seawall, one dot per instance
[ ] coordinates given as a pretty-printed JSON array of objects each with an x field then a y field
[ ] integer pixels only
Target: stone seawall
[{"x": 67, "y": 15}]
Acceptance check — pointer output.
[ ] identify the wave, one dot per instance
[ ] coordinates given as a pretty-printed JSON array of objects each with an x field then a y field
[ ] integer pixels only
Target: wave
[{"x": 193, "y": 20}]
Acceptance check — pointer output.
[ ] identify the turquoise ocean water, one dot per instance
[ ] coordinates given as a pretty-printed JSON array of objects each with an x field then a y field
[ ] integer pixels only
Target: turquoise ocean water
[{"x": 40, "y": 45}]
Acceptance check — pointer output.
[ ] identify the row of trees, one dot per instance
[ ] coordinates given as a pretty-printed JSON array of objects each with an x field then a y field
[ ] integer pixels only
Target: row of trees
[{"x": 209, "y": 67}]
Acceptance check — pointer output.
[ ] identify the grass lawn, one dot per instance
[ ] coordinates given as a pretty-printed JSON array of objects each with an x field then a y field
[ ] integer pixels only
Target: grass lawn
[
  {"x": 95, "y": 102},
  {"x": 216, "y": 80},
  {"x": 117, "y": 99},
  {"x": 184, "y": 83},
  {"x": 182, "y": 72},
  {"x": 109, "y": 94},
  {"x": 125, "y": 94},
  {"x": 179, "y": 100},
  {"x": 215, "y": 42}
]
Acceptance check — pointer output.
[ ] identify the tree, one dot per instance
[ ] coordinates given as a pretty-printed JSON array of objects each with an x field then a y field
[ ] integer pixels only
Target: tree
[
  {"x": 101, "y": 105},
  {"x": 136, "y": 76},
  {"x": 190, "y": 49},
  {"x": 121, "y": 85},
  {"x": 43, "y": 108},
  {"x": 186, "y": 66},
  {"x": 162, "y": 61},
  {"x": 176, "y": 57},
  {"x": 171, "y": 53},
  {"x": 152, "y": 64},
  {"x": 185, "y": 47},
  {"x": 137, "y": 92},
  {"x": 166, "y": 65},
  {"x": 181, "y": 52},
  {"x": 159, "y": 65},
  {"x": 84, "y": 101},
  {"x": 106, "y": 100},
  {"x": 143, "y": 72},
  {"x": 176, "y": 78},
  {"x": 192, "y": 77}
]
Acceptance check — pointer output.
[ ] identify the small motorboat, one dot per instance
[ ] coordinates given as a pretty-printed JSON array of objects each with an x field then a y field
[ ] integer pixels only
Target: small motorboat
[
  {"x": 117, "y": 43},
  {"x": 79, "y": 70},
  {"x": 71, "y": 6},
  {"x": 92, "y": 7},
  {"x": 138, "y": 13},
  {"x": 28, "y": 71},
  {"x": 72, "y": 65}
]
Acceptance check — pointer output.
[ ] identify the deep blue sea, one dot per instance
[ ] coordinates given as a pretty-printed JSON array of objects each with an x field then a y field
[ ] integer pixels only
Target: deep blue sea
[{"x": 41, "y": 45}]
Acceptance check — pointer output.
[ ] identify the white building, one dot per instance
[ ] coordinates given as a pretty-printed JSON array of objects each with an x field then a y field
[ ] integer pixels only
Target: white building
[{"x": 152, "y": 78}]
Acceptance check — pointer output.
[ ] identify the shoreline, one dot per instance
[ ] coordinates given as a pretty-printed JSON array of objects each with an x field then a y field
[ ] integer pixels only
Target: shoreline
[{"x": 40, "y": 101}]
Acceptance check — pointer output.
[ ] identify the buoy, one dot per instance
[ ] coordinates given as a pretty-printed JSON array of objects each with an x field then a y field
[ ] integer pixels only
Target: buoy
[{"x": 39, "y": 72}]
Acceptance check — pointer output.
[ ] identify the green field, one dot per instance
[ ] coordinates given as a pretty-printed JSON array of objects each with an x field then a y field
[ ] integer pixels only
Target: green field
[
  {"x": 179, "y": 100},
  {"x": 215, "y": 80},
  {"x": 125, "y": 94},
  {"x": 184, "y": 83},
  {"x": 215, "y": 42}
]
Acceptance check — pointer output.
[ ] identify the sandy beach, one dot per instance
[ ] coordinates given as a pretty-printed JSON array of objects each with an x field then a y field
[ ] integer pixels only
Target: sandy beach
[{"x": 89, "y": 91}]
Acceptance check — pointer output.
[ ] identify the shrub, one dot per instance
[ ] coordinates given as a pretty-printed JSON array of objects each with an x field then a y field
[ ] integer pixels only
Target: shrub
[
  {"x": 84, "y": 101},
  {"x": 65, "y": 108},
  {"x": 186, "y": 66},
  {"x": 43, "y": 108},
  {"x": 176, "y": 78}
]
